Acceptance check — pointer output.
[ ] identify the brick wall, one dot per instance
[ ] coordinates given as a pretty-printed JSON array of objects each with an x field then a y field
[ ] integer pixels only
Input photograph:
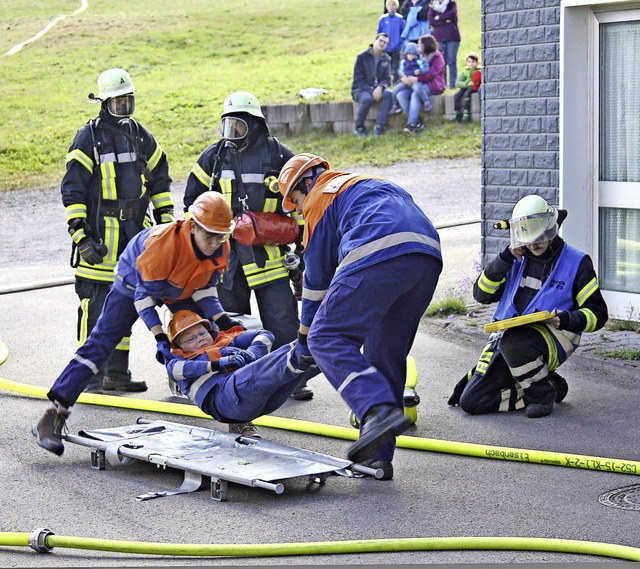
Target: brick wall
[{"x": 520, "y": 132}]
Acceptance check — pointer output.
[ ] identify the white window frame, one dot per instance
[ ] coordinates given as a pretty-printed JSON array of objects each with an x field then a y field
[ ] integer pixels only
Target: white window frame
[{"x": 580, "y": 191}]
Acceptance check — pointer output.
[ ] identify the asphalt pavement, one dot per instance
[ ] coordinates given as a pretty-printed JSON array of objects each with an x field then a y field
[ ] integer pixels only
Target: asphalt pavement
[{"x": 569, "y": 476}]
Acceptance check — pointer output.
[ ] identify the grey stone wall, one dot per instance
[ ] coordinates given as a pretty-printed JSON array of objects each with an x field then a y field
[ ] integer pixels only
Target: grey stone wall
[
  {"x": 339, "y": 117},
  {"x": 520, "y": 114}
]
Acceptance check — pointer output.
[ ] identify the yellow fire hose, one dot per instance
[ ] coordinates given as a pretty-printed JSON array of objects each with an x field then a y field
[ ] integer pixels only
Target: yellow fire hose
[
  {"x": 621, "y": 466},
  {"x": 43, "y": 540}
]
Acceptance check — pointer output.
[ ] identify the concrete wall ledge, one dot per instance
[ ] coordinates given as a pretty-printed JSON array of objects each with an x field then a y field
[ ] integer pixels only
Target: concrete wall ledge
[{"x": 338, "y": 117}]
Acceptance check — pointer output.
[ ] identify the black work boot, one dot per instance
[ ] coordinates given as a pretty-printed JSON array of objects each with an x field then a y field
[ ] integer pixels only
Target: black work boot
[
  {"x": 122, "y": 382},
  {"x": 560, "y": 383},
  {"x": 302, "y": 392},
  {"x": 385, "y": 466},
  {"x": 539, "y": 398},
  {"x": 381, "y": 424},
  {"x": 535, "y": 410},
  {"x": 48, "y": 431}
]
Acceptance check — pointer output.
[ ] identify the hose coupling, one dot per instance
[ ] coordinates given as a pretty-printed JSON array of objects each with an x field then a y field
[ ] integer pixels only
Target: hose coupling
[
  {"x": 38, "y": 540},
  {"x": 410, "y": 398},
  {"x": 291, "y": 261}
]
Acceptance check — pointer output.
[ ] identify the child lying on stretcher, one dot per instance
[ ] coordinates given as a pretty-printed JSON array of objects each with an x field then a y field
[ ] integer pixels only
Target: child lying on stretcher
[{"x": 231, "y": 375}]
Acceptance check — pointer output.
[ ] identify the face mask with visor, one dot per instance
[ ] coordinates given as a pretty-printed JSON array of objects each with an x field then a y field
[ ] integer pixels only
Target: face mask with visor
[
  {"x": 534, "y": 228},
  {"x": 121, "y": 106},
  {"x": 234, "y": 128}
]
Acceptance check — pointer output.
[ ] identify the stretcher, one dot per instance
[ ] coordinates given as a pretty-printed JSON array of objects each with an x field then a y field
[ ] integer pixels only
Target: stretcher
[
  {"x": 518, "y": 321},
  {"x": 201, "y": 452}
]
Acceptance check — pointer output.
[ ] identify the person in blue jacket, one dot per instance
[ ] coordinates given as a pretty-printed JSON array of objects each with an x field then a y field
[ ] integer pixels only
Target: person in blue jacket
[
  {"x": 372, "y": 263},
  {"x": 232, "y": 375},
  {"x": 392, "y": 23},
  {"x": 538, "y": 271}
]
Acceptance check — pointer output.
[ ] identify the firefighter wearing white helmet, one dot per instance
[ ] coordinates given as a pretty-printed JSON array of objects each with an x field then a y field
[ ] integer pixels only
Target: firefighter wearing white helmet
[
  {"x": 115, "y": 90},
  {"x": 372, "y": 263},
  {"x": 244, "y": 166},
  {"x": 115, "y": 169},
  {"x": 538, "y": 271}
]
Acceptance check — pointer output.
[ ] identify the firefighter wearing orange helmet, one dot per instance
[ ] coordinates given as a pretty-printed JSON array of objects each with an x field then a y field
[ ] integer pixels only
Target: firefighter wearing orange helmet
[
  {"x": 372, "y": 262},
  {"x": 176, "y": 264}
]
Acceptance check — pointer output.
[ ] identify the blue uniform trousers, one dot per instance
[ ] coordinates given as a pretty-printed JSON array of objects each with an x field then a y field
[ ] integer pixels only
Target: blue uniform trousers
[
  {"x": 378, "y": 308},
  {"x": 117, "y": 317},
  {"x": 256, "y": 389}
]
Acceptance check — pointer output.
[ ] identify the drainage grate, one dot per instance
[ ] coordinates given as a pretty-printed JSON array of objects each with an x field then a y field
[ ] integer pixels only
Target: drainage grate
[{"x": 627, "y": 498}]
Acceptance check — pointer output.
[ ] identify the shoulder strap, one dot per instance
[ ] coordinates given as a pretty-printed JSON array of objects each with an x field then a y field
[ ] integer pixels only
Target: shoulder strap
[
  {"x": 275, "y": 149},
  {"x": 218, "y": 157}
]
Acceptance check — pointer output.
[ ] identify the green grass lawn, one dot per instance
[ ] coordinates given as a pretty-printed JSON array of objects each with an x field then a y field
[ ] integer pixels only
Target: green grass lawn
[{"x": 185, "y": 57}]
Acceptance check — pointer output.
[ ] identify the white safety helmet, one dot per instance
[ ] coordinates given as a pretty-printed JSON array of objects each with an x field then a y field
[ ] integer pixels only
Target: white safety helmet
[
  {"x": 235, "y": 128},
  {"x": 533, "y": 220},
  {"x": 115, "y": 90},
  {"x": 114, "y": 82}
]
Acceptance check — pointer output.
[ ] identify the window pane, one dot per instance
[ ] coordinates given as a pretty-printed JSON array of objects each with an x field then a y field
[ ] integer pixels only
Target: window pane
[
  {"x": 620, "y": 249},
  {"x": 620, "y": 102}
]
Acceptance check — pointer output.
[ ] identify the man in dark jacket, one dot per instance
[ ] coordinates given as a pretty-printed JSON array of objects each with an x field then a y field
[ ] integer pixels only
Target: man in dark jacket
[
  {"x": 115, "y": 169},
  {"x": 537, "y": 272},
  {"x": 371, "y": 82}
]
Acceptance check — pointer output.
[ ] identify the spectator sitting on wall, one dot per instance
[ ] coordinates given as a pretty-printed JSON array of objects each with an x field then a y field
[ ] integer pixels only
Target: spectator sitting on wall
[
  {"x": 371, "y": 81},
  {"x": 468, "y": 82},
  {"x": 412, "y": 65},
  {"x": 430, "y": 83}
]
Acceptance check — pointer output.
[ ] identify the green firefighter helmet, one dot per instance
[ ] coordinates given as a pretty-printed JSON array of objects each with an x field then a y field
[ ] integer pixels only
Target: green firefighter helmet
[
  {"x": 242, "y": 102},
  {"x": 533, "y": 220},
  {"x": 113, "y": 83}
]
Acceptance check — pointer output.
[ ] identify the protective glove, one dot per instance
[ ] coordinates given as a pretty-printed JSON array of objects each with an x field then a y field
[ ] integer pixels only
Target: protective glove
[
  {"x": 224, "y": 322},
  {"x": 92, "y": 252},
  {"x": 457, "y": 392},
  {"x": 300, "y": 357},
  {"x": 163, "y": 348},
  {"x": 233, "y": 362},
  {"x": 164, "y": 215}
]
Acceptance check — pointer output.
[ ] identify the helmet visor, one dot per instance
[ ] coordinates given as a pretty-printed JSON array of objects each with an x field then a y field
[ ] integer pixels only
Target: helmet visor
[
  {"x": 534, "y": 228},
  {"x": 234, "y": 128},
  {"x": 122, "y": 105}
]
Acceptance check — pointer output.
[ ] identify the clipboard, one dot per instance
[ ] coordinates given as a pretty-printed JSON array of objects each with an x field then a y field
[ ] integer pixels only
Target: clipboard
[{"x": 518, "y": 321}]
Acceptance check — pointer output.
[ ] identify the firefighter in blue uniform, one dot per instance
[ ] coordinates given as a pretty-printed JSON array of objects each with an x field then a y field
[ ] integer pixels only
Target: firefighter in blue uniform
[
  {"x": 115, "y": 169},
  {"x": 537, "y": 271},
  {"x": 372, "y": 262},
  {"x": 244, "y": 166}
]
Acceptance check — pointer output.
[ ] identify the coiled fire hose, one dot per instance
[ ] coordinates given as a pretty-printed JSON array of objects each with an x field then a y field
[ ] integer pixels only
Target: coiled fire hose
[{"x": 43, "y": 540}]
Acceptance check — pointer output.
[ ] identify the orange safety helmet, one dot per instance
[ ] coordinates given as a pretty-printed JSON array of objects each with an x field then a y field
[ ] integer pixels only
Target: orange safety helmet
[
  {"x": 212, "y": 213},
  {"x": 183, "y": 320},
  {"x": 293, "y": 171}
]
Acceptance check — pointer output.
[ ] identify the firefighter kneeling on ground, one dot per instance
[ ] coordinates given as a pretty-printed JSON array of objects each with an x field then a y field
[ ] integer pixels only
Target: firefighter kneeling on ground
[{"x": 537, "y": 271}]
